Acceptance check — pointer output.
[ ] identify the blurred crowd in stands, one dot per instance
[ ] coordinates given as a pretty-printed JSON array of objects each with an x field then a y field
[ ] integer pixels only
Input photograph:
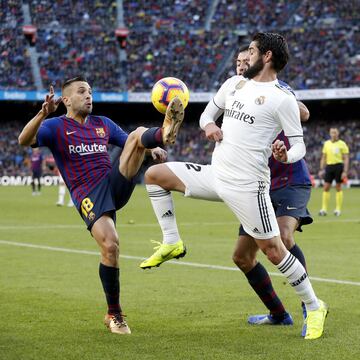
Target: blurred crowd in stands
[
  {"x": 195, "y": 40},
  {"x": 69, "y": 13},
  {"x": 146, "y": 14},
  {"x": 66, "y": 53},
  {"x": 192, "y": 146},
  {"x": 191, "y": 57}
]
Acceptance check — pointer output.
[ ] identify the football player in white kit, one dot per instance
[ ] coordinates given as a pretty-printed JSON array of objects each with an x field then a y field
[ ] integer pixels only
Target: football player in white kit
[{"x": 256, "y": 108}]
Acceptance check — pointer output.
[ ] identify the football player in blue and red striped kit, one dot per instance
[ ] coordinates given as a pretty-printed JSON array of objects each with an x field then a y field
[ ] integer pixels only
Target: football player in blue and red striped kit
[
  {"x": 290, "y": 193},
  {"x": 78, "y": 141},
  {"x": 36, "y": 168}
]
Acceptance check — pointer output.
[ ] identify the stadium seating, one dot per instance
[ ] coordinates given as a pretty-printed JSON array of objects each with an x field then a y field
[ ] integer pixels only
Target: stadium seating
[
  {"x": 184, "y": 54},
  {"x": 176, "y": 40},
  {"x": 15, "y": 67},
  {"x": 192, "y": 146},
  {"x": 70, "y": 13},
  {"x": 157, "y": 14},
  {"x": 65, "y": 53}
]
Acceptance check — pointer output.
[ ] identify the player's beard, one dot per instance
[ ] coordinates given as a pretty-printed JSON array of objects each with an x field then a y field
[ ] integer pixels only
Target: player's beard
[{"x": 253, "y": 70}]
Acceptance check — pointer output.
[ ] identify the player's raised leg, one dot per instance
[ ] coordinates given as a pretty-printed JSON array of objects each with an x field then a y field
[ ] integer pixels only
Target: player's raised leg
[
  {"x": 173, "y": 118},
  {"x": 193, "y": 180},
  {"x": 143, "y": 138},
  {"x": 160, "y": 180}
]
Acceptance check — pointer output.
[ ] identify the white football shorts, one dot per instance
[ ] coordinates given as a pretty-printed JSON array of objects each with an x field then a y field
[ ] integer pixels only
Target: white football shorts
[{"x": 250, "y": 203}]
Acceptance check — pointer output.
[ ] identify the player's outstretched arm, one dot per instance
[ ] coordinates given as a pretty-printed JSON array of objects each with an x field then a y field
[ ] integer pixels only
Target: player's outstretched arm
[{"x": 28, "y": 134}]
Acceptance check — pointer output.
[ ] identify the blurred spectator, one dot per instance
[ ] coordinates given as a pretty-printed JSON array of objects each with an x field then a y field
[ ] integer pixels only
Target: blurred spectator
[
  {"x": 188, "y": 56},
  {"x": 169, "y": 39},
  {"x": 10, "y": 14},
  {"x": 192, "y": 146},
  {"x": 66, "y": 53},
  {"x": 15, "y": 67},
  {"x": 68, "y": 13},
  {"x": 161, "y": 13}
]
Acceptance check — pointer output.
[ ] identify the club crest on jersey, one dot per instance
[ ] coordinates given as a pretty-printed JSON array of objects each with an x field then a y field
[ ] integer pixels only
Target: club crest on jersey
[
  {"x": 260, "y": 100},
  {"x": 100, "y": 132},
  {"x": 91, "y": 216},
  {"x": 240, "y": 85}
]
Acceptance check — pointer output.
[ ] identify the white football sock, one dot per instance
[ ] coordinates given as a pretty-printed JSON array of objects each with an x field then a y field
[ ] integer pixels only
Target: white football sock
[
  {"x": 163, "y": 206},
  {"x": 62, "y": 190},
  {"x": 296, "y": 274}
]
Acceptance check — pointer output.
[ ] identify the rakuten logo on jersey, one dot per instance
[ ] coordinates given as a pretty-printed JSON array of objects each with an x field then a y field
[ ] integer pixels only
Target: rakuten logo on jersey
[{"x": 87, "y": 149}]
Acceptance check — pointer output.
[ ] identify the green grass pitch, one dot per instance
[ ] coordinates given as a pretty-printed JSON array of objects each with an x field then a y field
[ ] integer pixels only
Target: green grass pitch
[{"x": 52, "y": 305}]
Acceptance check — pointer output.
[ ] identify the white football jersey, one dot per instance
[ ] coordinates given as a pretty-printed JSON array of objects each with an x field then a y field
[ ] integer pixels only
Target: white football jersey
[{"x": 254, "y": 114}]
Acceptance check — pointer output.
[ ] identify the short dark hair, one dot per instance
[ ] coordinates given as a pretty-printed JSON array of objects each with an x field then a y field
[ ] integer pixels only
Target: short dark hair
[
  {"x": 243, "y": 48},
  {"x": 277, "y": 44},
  {"x": 70, "y": 81}
]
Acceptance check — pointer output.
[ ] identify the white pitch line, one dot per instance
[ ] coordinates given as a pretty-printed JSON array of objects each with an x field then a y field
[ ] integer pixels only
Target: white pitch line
[
  {"x": 64, "y": 226},
  {"x": 182, "y": 263},
  {"x": 150, "y": 225}
]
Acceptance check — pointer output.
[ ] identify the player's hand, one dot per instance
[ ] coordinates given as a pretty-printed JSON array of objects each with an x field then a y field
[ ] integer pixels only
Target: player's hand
[
  {"x": 321, "y": 173},
  {"x": 213, "y": 132},
  {"x": 279, "y": 151},
  {"x": 344, "y": 175},
  {"x": 50, "y": 104},
  {"x": 159, "y": 155}
]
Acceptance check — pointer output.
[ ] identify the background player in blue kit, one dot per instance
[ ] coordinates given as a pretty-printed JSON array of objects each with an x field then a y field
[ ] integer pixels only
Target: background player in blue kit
[
  {"x": 78, "y": 141},
  {"x": 36, "y": 168},
  {"x": 290, "y": 192}
]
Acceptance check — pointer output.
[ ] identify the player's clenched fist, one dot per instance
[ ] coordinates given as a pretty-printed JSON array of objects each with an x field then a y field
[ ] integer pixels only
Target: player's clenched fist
[
  {"x": 159, "y": 155},
  {"x": 50, "y": 104},
  {"x": 279, "y": 151},
  {"x": 213, "y": 132}
]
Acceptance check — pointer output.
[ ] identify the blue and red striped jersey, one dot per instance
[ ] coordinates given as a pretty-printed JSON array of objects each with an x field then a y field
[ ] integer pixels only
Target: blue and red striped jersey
[
  {"x": 282, "y": 175},
  {"x": 36, "y": 161},
  {"x": 288, "y": 174},
  {"x": 80, "y": 150}
]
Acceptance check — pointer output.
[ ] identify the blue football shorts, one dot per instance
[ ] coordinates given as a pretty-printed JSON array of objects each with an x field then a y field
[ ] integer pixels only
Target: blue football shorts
[{"x": 111, "y": 194}]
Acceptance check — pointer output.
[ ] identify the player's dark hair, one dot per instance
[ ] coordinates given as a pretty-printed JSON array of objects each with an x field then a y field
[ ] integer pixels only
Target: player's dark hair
[
  {"x": 243, "y": 48},
  {"x": 70, "y": 81},
  {"x": 277, "y": 45}
]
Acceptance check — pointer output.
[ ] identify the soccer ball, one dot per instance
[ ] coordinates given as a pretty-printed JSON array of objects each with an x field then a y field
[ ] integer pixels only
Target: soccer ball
[{"x": 165, "y": 90}]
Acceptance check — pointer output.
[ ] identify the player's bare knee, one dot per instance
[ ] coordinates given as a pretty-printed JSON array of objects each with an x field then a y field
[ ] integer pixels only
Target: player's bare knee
[
  {"x": 274, "y": 254},
  {"x": 154, "y": 175},
  {"x": 287, "y": 238},
  {"x": 243, "y": 262},
  {"x": 110, "y": 249},
  {"x": 150, "y": 176}
]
